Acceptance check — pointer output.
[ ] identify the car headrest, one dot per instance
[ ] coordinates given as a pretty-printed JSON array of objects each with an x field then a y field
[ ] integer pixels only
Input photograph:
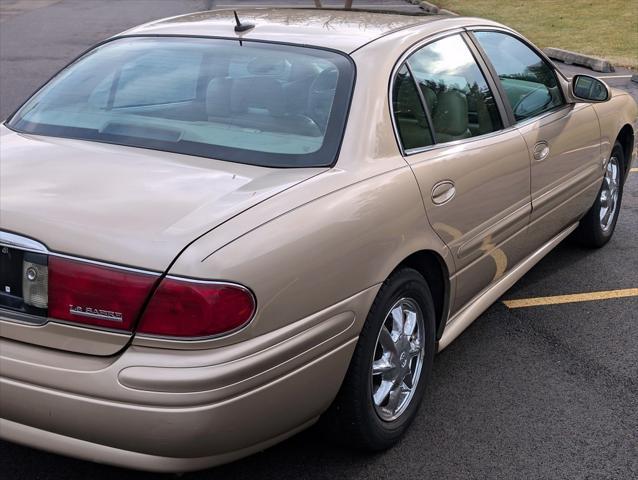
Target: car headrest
[
  {"x": 218, "y": 97},
  {"x": 301, "y": 71},
  {"x": 266, "y": 66},
  {"x": 407, "y": 98},
  {"x": 258, "y": 92},
  {"x": 322, "y": 95},
  {"x": 326, "y": 80},
  {"x": 430, "y": 97},
  {"x": 450, "y": 116},
  {"x": 226, "y": 95}
]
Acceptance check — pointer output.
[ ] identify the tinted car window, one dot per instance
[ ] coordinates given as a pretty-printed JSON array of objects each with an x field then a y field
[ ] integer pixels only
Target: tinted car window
[
  {"x": 256, "y": 103},
  {"x": 409, "y": 115},
  {"x": 457, "y": 95},
  {"x": 529, "y": 83}
]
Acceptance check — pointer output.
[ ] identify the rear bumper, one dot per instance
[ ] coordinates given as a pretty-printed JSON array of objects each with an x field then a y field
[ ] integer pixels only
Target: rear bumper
[
  {"x": 178, "y": 410},
  {"x": 52, "y": 442},
  {"x": 163, "y": 439}
]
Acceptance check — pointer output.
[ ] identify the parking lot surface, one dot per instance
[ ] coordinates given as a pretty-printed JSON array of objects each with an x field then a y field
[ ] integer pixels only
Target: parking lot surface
[{"x": 545, "y": 391}]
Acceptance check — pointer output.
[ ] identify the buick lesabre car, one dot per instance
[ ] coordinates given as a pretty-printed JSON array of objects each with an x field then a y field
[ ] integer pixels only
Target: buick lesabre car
[{"x": 215, "y": 231}]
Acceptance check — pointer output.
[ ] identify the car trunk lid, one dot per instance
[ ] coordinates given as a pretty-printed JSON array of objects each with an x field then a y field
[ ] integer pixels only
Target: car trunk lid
[{"x": 118, "y": 205}]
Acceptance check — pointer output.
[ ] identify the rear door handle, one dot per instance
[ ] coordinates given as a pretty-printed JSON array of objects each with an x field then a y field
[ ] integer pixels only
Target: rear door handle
[{"x": 443, "y": 192}]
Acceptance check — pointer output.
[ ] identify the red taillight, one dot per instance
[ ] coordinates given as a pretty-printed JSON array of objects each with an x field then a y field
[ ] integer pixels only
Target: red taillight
[
  {"x": 93, "y": 294},
  {"x": 185, "y": 308}
]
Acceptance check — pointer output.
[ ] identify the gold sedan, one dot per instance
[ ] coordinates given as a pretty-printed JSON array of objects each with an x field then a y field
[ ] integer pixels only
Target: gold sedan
[{"x": 215, "y": 229}]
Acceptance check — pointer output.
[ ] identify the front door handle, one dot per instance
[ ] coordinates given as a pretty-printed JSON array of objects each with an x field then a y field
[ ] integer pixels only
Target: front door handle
[
  {"x": 541, "y": 151},
  {"x": 443, "y": 192}
]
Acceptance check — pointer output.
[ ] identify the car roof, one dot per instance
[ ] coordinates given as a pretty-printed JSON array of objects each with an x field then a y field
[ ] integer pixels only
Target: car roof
[{"x": 344, "y": 30}]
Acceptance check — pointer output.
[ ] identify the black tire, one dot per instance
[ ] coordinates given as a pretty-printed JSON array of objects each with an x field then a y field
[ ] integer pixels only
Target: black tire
[
  {"x": 353, "y": 417},
  {"x": 590, "y": 232}
]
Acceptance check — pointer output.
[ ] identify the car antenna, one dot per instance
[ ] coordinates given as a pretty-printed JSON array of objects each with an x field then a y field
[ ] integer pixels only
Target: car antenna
[{"x": 242, "y": 27}]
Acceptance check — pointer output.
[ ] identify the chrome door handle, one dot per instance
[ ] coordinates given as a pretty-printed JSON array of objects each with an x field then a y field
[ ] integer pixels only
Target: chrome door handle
[
  {"x": 541, "y": 151},
  {"x": 443, "y": 192}
]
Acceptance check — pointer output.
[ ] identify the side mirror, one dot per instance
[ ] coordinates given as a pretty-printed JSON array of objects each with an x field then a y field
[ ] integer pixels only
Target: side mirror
[{"x": 589, "y": 89}]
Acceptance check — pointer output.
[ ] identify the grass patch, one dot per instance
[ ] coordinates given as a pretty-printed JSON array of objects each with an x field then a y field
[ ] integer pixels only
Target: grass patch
[{"x": 607, "y": 29}]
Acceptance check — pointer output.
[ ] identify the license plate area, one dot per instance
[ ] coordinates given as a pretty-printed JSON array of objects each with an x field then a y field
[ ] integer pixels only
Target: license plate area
[{"x": 12, "y": 262}]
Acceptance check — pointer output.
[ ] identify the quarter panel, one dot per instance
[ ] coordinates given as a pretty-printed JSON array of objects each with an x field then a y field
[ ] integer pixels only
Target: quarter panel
[
  {"x": 323, "y": 251},
  {"x": 334, "y": 235}
]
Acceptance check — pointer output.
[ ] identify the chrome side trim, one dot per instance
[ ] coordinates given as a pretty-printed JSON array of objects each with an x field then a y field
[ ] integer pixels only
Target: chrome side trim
[
  {"x": 8, "y": 239},
  {"x": 495, "y": 230},
  {"x": 23, "y": 318},
  {"x": 205, "y": 281},
  {"x": 565, "y": 188},
  {"x": 454, "y": 143},
  {"x": 459, "y": 322},
  {"x": 12, "y": 240},
  {"x": 105, "y": 264}
]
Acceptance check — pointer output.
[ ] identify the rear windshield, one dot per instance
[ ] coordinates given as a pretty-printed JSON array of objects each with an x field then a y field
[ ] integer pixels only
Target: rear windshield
[{"x": 250, "y": 102}]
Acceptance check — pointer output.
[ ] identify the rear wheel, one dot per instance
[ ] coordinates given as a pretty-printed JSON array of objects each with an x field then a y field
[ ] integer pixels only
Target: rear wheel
[
  {"x": 390, "y": 367},
  {"x": 597, "y": 226}
]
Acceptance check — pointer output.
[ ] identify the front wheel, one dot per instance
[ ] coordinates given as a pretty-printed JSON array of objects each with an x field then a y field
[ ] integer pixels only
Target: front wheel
[
  {"x": 390, "y": 367},
  {"x": 597, "y": 226}
]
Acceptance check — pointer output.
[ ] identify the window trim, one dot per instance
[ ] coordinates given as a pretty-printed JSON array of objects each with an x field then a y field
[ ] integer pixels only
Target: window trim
[
  {"x": 494, "y": 81},
  {"x": 544, "y": 58},
  {"x": 481, "y": 64},
  {"x": 424, "y": 105}
]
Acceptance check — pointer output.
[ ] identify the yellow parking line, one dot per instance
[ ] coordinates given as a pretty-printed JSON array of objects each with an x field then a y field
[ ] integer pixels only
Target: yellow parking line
[
  {"x": 578, "y": 297},
  {"x": 634, "y": 170}
]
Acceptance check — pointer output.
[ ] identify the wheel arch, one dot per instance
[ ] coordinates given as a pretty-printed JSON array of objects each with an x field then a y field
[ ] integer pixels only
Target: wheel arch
[
  {"x": 626, "y": 139},
  {"x": 434, "y": 269}
]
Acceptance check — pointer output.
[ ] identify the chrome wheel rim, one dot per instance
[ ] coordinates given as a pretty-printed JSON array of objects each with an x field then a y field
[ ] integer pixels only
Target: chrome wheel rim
[
  {"x": 609, "y": 194},
  {"x": 398, "y": 359}
]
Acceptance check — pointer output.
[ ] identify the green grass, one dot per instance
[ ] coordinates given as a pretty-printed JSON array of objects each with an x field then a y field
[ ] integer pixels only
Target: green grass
[{"x": 607, "y": 29}]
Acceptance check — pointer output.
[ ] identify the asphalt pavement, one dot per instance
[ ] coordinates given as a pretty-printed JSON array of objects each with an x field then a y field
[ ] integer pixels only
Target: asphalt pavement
[{"x": 546, "y": 392}]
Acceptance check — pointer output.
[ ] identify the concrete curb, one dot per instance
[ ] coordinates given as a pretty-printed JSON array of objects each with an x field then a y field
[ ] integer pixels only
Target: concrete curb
[
  {"x": 431, "y": 8},
  {"x": 594, "y": 63},
  {"x": 565, "y": 56}
]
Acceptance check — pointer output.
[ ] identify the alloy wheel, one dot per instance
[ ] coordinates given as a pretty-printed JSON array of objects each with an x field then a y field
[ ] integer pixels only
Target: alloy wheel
[
  {"x": 609, "y": 194},
  {"x": 398, "y": 359}
]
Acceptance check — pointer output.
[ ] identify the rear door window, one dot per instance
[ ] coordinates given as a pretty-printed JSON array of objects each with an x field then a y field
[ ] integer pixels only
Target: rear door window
[{"x": 460, "y": 102}]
